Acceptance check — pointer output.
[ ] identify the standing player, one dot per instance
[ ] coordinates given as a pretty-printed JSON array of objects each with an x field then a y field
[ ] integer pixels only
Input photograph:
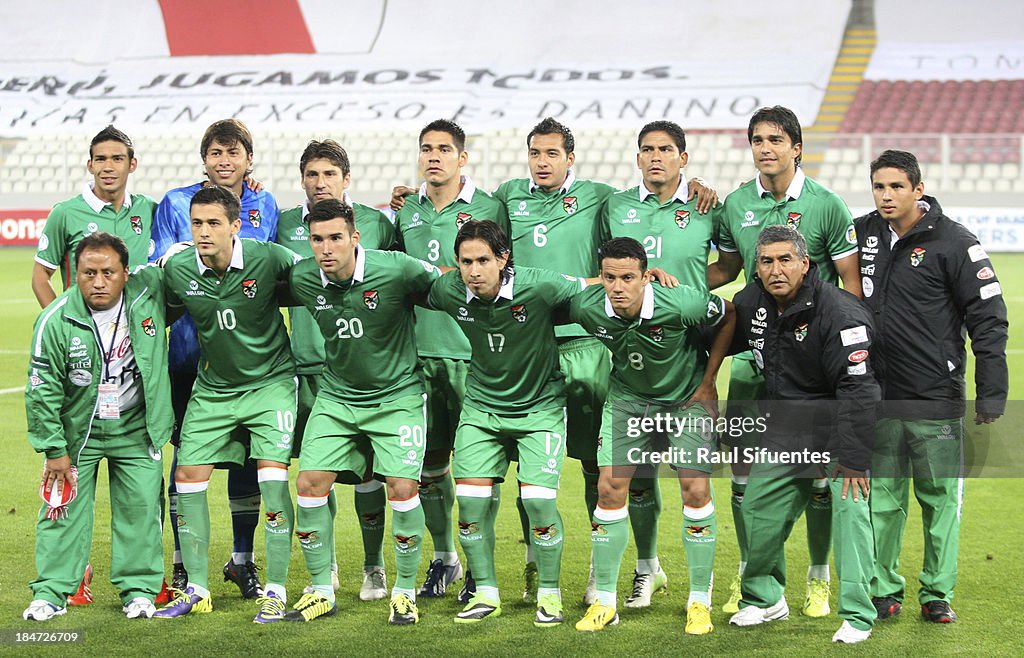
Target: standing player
[
  {"x": 515, "y": 406},
  {"x": 782, "y": 194},
  {"x": 103, "y": 205},
  {"x": 247, "y": 380},
  {"x": 926, "y": 278},
  {"x": 326, "y": 174},
  {"x": 427, "y": 225},
  {"x": 370, "y": 412},
  {"x": 98, "y": 387},
  {"x": 662, "y": 213},
  {"x": 226, "y": 150},
  {"x": 660, "y": 370}
]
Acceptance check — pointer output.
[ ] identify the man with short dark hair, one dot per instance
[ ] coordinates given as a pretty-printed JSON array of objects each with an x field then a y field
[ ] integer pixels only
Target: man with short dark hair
[
  {"x": 98, "y": 387},
  {"x": 926, "y": 278},
  {"x": 812, "y": 343}
]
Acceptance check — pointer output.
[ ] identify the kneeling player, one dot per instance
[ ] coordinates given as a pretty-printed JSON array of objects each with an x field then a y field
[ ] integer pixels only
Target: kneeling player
[
  {"x": 246, "y": 379},
  {"x": 658, "y": 361},
  {"x": 371, "y": 403}
]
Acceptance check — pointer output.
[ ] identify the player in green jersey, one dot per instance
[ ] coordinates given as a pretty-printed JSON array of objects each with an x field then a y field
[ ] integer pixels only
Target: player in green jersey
[
  {"x": 514, "y": 407},
  {"x": 663, "y": 214},
  {"x": 427, "y": 225},
  {"x": 370, "y": 411},
  {"x": 661, "y": 370},
  {"x": 326, "y": 174},
  {"x": 246, "y": 379},
  {"x": 782, "y": 194}
]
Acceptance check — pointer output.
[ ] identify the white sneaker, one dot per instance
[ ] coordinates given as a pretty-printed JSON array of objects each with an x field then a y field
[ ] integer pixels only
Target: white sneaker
[
  {"x": 40, "y": 610},
  {"x": 335, "y": 583},
  {"x": 849, "y": 635},
  {"x": 139, "y": 608},
  {"x": 374, "y": 585},
  {"x": 644, "y": 585},
  {"x": 590, "y": 594},
  {"x": 752, "y": 615}
]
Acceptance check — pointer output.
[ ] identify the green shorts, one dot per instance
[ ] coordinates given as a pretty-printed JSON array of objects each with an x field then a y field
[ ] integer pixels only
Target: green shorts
[
  {"x": 746, "y": 388},
  {"x": 485, "y": 443},
  {"x": 445, "y": 381},
  {"x": 208, "y": 433},
  {"x": 587, "y": 366},
  {"x": 648, "y": 434},
  {"x": 349, "y": 439}
]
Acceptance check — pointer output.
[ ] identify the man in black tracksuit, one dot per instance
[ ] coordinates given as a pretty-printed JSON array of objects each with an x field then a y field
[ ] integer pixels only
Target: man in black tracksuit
[
  {"x": 812, "y": 342},
  {"x": 925, "y": 278}
]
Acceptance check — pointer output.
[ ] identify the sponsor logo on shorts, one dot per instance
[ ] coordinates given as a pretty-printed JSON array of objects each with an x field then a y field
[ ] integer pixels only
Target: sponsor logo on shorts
[
  {"x": 800, "y": 332},
  {"x": 249, "y": 288},
  {"x": 371, "y": 299},
  {"x": 136, "y": 223},
  {"x": 917, "y": 256},
  {"x": 569, "y": 204},
  {"x": 682, "y": 218},
  {"x": 255, "y": 218},
  {"x": 149, "y": 327},
  {"x": 793, "y": 220},
  {"x": 462, "y": 218},
  {"x": 519, "y": 312}
]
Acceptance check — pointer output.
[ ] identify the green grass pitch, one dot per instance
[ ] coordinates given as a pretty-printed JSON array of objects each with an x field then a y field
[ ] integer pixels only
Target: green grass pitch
[{"x": 986, "y": 597}]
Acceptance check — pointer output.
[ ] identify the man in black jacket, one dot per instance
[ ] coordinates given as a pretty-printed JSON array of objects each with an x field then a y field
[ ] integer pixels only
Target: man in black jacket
[
  {"x": 925, "y": 278},
  {"x": 812, "y": 342}
]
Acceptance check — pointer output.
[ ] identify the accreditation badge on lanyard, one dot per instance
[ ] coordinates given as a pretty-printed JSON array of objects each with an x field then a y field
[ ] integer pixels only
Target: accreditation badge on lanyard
[{"x": 109, "y": 400}]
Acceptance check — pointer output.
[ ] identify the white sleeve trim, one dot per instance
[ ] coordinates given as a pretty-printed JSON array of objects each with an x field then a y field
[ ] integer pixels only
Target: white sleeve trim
[
  {"x": 728, "y": 249},
  {"x": 845, "y": 254},
  {"x": 47, "y": 264}
]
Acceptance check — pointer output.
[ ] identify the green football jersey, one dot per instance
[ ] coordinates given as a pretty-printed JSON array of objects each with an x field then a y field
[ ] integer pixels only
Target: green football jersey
[
  {"x": 514, "y": 364},
  {"x": 242, "y": 338},
  {"x": 656, "y": 356},
  {"x": 368, "y": 324},
  {"x": 675, "y": 236},
  {"x": 818, "y": 213},
  {"x": 72, "y": 220},
  {"x": 429, "y": 235},
  {"x": 557, "y": 230},
  {"x": 375, "y": 232}
]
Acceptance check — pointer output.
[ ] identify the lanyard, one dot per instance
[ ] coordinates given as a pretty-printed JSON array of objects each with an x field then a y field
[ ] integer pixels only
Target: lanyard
[{"x": 108, "y": 355}]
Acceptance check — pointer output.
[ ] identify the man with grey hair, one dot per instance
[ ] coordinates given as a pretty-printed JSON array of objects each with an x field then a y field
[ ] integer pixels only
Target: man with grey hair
[{"x": 811, "y": 341}]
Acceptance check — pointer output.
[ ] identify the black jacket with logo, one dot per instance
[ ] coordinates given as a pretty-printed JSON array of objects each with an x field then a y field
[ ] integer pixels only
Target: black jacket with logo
[
  {"x": 923, "y": 292},
  {"x": 814, "y": 351}
]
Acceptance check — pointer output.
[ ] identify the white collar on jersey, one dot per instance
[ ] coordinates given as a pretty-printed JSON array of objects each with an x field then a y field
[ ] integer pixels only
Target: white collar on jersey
[
  {"x": 236, "y": 257},
  {"x": 646, "y": 308},
  {"x": 682, "y": 191},
  {"x": 345, "y": 198},
  {"x": 465, "y": 194},
  {"x": 97, "y": 204},
  {"x": 796, "y": 186},
  {"x": 358, "y": 274},
  {"x": 570, "y": 178},
  {"x": 504, "y": 291}
]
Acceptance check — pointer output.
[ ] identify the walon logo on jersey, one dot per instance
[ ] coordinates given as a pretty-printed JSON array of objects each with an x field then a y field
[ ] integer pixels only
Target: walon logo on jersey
[
  {"x": 800, "y": 333},
  {"x": 249, "y": 288},
  {"x": 149, "y": 327},
  {"x": 462, "y": 218},
  {"x": 569, "y": 204},
  {"x": 136, "y": 223},
  {"x": 682, "y": 218},
  {"x": 519, "y": 312},
  {"x": 371, "y": 299},
  {"x": 657, "y": 333},
  {"x": 793, "y": 220},
  {"x": 698, "y": 531},
  {"x": 255, "y": 217},
  {"x": 917, "y": 256}
]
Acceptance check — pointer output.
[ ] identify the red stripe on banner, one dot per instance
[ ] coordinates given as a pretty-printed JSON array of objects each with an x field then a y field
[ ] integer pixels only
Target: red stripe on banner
[{"x": 257, "y": 27}]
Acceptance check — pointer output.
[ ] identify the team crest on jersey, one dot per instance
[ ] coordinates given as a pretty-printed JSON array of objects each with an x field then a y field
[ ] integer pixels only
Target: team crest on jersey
[
  {"x": 801, "y": 332},
  {"x": 698, "y": 530},
  {"x": 136, "y": 223},
  {"x": 371, "y": 299},
  {"x": 917, "y": 256},
  {"x": 249, "y": 288},
  {"x": 462, "y": 218},
  {"x": 275, "y": 519},
  {"x": 306, "y": 538},
  {"x": 598, "y": 529},
  {"x": 467, "y": 528},
  {"x": 255, "y": 217},
  {"x": 405, "y": 543},
  {"x": 545, "y": 532},
  {"x": 149, "y": 327},
  {"x": 519, "y": 312},
  {"x": 682, "y": 218},
  {"x": 793, "y": 220},
  {"x": 569, "y": 204},
  {"x": 657, "y": 333}
]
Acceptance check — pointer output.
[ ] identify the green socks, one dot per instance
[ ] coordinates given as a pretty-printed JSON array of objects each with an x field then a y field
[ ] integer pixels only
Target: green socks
[
  {"x": 644, "y": 509},
  {"x": 314, "y": 526},
  {"x": 609, "y": 536},
  {"x": 370, "y": 498},
  {"x": 278, "y": 522},
  {"x": 546, "y": 533},
  {"x": 819, "y": 524},
  {"x": 700, "y": 531},
  {"x": 194, "y": 531},
  {"x": 437, "y": 496},
  {"x": 407, "y": 525},
  {"x": 476, "y": 531}
]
